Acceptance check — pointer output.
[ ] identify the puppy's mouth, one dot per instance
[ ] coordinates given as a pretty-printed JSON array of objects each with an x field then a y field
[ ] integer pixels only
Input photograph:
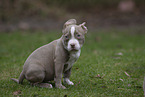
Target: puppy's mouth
[{"x": 74, "y": 49}]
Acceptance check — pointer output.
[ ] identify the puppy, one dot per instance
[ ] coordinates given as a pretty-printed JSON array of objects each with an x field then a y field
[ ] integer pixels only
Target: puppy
[{"x": 55, "y": 59}]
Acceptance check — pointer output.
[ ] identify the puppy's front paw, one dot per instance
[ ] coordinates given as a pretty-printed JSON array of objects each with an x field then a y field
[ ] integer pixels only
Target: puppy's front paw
[
  {"x": 67, "y": 81},
  {"x": 70, "y": 83},
  {"x": 60, "y": 86}
]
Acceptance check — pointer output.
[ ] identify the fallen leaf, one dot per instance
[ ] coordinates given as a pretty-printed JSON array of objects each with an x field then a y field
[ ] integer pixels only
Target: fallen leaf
[
  {"x": 121, "y": 79},
  {"x": 98, "y": 76},
  {"x": 77, "y": 83},
  {"x": 120, "y": 54},
  {"x": 129, "y": 85},
  {"x": 17, "y": 93},
  {"x": 127, "y": 74}
]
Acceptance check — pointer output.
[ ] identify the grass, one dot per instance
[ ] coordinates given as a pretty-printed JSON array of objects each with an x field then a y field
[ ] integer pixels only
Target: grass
[{"x": 99, "y": 72}]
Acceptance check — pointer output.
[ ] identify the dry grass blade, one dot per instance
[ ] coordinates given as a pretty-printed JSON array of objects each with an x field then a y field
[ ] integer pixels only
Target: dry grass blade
[
  {"x": 17, "y": 93},
  {"x": 127, "y": 74}
]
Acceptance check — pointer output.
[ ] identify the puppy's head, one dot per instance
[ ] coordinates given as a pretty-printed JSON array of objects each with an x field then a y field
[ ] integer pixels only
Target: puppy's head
[{"x": 73, "y": 35}]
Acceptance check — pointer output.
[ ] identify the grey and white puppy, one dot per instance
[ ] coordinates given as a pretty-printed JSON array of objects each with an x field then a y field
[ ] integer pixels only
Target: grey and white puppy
[{"x": 55, "y": 59}]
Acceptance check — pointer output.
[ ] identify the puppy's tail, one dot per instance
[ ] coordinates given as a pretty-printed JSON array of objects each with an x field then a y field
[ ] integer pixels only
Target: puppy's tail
[{"x": 21, "y": 78}]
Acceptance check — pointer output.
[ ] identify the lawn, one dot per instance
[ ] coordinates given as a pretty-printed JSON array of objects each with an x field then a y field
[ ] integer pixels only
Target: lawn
[{"x": 112, "y": 63}]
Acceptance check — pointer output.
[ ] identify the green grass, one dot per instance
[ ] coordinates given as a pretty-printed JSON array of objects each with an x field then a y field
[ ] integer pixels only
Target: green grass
[{"x": 99, "y": 57}]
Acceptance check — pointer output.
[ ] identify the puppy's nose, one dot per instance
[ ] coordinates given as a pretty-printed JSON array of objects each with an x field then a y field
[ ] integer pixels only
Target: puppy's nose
[{"x": 72, "y": 45}]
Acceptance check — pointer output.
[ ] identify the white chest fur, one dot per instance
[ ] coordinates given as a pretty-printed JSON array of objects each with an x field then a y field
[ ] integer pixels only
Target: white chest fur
[{"x": 73, "y": 57}]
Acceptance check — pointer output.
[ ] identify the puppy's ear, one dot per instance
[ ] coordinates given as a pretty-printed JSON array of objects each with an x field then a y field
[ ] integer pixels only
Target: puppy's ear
[
  {"x": 69, "y": 22},
  {"x": 84, "y": 27}
]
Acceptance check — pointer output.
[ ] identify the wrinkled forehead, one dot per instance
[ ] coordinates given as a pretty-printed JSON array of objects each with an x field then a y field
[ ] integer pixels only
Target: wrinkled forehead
[{"x": 76, "y": 28}]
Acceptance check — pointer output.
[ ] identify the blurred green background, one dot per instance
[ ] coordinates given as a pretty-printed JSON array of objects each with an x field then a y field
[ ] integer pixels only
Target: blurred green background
[{"x": 51, "y": 14}]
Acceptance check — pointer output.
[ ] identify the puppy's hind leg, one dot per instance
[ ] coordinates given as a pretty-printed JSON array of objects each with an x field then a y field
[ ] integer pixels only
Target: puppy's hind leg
[
  {"x": 36, "y": 77},
  {"x": 42, "y": 85}
]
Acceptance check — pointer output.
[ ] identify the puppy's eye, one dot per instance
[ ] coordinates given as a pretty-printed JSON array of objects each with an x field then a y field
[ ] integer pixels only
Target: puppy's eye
[
  {"x": 66, "y": 37},
  {"x": 78, "y": 35}
]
